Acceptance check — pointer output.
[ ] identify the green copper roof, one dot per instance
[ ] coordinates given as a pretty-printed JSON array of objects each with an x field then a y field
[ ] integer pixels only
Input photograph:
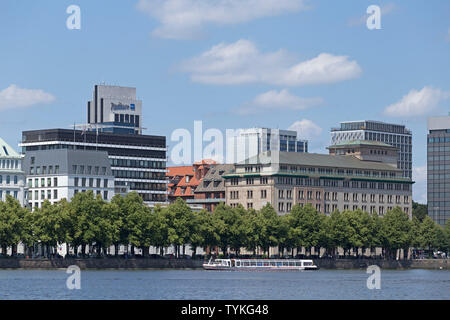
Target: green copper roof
[
  {"x": 361, "y": 142},
  {"x": 6, "y": 151}
]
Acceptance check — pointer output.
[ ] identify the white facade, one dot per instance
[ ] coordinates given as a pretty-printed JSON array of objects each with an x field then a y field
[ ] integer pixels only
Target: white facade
[
  {"x": 54, "y": 175},
  {"x": 246, "y": 143},
  {"x": 12, "y": 176}
]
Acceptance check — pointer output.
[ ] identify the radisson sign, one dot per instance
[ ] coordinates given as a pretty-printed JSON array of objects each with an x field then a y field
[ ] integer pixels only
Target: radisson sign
[{"x": 120, "y": 106}]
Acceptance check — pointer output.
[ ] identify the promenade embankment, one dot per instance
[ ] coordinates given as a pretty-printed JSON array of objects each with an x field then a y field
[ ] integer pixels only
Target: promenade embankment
[{"x": 142, "y": 263}]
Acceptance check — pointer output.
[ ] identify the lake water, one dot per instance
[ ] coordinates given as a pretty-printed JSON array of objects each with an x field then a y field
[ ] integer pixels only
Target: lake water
[{"x": 227, "y": 285}]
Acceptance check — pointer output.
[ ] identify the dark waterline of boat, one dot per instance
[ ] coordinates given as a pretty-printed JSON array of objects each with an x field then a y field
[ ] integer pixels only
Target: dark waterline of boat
[{"x": 227, "y": 285}]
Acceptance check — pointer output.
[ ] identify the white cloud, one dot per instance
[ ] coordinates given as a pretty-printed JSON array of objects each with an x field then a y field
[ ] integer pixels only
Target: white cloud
[
  {"x": 277, "y": 100},
  {"x": 242, "y": 63},
  {"x": 419, "y": 176},
  {"x": 306, "y": 129},
  {"x": 417, "y": 103},
  {"x": 13, "y": 97},
  {"x": 384, "y": 10},
  {"x": 186, "y": 19}
]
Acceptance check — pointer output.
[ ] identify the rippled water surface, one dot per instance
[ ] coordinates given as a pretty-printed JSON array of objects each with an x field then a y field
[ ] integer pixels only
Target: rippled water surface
[{"x": 200, "y": 284}]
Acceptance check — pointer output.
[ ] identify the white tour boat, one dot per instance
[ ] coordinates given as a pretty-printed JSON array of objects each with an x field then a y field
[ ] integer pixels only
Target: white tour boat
[{"x": 259, "y": 264}]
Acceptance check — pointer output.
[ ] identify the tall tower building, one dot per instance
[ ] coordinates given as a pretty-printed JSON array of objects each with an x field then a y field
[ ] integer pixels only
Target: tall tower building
[
  {"x": 392, "y": 134},
  {"x": 115, "y": 109},
  {"x": 438, "y": 163}
]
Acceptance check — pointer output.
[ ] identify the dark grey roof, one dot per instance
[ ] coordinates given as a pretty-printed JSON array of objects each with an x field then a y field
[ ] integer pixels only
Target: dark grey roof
[
  {"x": 213, "y": 181},
  {"x": 316, "y": 160}
]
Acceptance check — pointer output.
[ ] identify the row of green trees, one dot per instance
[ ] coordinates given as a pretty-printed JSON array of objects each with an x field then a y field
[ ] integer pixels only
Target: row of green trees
[{"x": 90, "y": 222}]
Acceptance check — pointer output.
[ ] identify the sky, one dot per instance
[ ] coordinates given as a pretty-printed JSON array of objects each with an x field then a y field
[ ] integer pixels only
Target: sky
[{"x": 287, "y": 64}]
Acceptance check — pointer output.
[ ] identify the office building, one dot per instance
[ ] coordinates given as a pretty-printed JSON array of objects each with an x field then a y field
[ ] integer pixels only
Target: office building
[
  {"x": 393, "y": 134},
  {"x": 138, "y": 162},
  {"x": 247, "y": 143},
  {"x": 115, "y": 109},
  {"x": 327, "y": 182},
  {"x": 62, "y": 173},
  {"x": 438, "y": 165},
  {"x": 12, "y": 176}
]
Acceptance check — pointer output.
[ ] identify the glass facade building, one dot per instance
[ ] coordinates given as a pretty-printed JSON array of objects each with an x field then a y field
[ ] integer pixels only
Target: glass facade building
[
  {"x": 392, "y": 134},
  {"x": 438, "y": 169}
]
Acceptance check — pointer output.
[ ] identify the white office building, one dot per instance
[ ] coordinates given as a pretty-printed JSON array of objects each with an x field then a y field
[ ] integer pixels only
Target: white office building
[
  {"x": 57, "y": 174},
  {"x": 246, "y": 143}
]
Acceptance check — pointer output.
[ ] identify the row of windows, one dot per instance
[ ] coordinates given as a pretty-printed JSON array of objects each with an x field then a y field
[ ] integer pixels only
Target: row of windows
[
  {"x": 15, "y": 179},
  {"x": 439, "y": 167},
  {"x": 137, "y": 163},
  {"x": 81, "y": 169},
  {"x": 328, "y": 208},
  {"x": 438, "y": 176},
  {"x": 327, "y": 183},
  {"x": 84, "y": 181},
  {"x": 438, "y": 204},
  {"x": 43, "y": 182},
  {"x": 439, "y": 140},
  {"x": 439, "y": 149},
  {"x": 438, "y": 158},
  {"x": 9, "y": 164},
  {"x": 343, "y": 184},
  {"x": 45, "y": 169},
  {"x": 44, "y": 194},
  {"x": 339, "y": 172}
]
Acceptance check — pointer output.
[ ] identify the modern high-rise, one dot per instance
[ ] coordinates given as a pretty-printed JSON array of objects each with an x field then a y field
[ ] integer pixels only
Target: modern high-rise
[
  {"x": 12, "y": 176},
  {"x": 247, "y": 143},
  {"x": 116, "y": 109},
  {"x": 138, "y": 162},
  {"x": 438, "y": 165},
  {"x": 366, "y": 130}
]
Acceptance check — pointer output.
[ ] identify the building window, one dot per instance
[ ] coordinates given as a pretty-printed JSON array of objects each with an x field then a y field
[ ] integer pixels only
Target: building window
[
  {"x": 105, "y": 183},
  {"x": 55, "y": 182},
  {"x": 55, "y": 194},
  {"x": 105, "y": 195},
  {"x": 8, "y": 179}
]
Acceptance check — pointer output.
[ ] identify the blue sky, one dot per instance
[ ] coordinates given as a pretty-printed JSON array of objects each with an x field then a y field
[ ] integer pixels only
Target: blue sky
[{"x": 283, "y": 64}]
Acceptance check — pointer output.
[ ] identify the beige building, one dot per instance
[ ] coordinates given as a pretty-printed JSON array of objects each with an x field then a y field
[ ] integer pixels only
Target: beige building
[{"x": 344, "y": 180}]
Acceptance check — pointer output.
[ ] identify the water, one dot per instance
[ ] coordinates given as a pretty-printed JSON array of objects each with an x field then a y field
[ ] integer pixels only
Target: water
[{"x": 228, "y": 285}]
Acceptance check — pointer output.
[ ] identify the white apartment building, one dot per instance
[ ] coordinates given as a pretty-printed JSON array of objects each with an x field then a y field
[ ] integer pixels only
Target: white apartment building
[{"x": 12, "y": 177}]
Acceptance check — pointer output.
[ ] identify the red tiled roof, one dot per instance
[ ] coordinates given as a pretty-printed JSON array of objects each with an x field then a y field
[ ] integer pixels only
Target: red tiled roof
[{"x": 180, "y": 171}]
